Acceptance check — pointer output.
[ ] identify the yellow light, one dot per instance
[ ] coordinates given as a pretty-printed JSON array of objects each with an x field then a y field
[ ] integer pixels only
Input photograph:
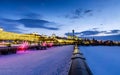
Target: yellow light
[{"x": 1, "y": 29}]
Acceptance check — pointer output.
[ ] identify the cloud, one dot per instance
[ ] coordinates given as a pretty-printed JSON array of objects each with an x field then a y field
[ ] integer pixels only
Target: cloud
[
  {"x": 88, "y": 33},
  {"x": 34, "y": 23},
  {"x": 95, "y": 29},
  {"x": 88, "y": 11},
  {"x": 115, "y": 31},
  {"x": 32, "y": 15},
  {"x": 9, "y": 26},
  {"x": 79, "y": 13}
]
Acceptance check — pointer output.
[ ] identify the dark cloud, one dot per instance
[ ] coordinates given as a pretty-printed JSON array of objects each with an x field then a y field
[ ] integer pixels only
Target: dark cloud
[
  {"x": 32, "y": 15},
  {"x": 115, "y": 31},
  {"x": 112, "y": 32},
  {"x": 88, "y": 11},
  {"x": 89, "y": 33},
  {"x": 34, "y": 23},
  {"x": 79, "y": 13},
  {"x": 95, "y": 28},
  {"x": 9, "y": 26},
  {"x": 101, "y": 24}
]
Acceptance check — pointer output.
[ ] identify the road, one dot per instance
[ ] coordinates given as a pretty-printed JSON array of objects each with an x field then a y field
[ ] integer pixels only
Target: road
[{"x": 53, "y": 61}]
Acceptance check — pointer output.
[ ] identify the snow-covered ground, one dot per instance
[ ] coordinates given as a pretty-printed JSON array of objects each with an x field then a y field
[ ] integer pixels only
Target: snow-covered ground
[
  {"x": 53, "y": 61},
  {"x": 102, "y": 60}
]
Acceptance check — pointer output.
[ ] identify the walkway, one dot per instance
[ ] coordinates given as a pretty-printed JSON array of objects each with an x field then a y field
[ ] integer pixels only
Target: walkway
[{"x": 53, "y": 61}]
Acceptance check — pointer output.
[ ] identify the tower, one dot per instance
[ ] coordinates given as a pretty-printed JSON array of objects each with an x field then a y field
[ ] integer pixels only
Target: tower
[{"x": 73, "y": 31}]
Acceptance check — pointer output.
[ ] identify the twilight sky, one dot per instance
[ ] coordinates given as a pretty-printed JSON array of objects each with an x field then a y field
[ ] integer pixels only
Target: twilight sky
[{"x": 86, "y": 17}]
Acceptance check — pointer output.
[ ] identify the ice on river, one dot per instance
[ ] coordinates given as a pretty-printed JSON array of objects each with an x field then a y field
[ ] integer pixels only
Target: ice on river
[{"x": 103, "y": 60}]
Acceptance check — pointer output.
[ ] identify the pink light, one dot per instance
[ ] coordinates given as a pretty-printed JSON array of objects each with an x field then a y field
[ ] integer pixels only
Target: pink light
[
  {"x": 23, "y": 46},
  {"x": 44, "y": 44}
]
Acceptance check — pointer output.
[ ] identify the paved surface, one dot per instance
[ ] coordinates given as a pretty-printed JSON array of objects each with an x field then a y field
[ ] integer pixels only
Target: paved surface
[{"x": 53, "y": 61}]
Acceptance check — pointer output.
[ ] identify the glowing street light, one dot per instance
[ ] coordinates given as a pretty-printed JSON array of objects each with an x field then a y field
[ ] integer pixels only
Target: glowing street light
[{"x": 1, "y": 29}]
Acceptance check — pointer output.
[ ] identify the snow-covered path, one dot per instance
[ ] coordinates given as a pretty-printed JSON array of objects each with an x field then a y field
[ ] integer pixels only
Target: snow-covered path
[{"x": 53, "y": 61}]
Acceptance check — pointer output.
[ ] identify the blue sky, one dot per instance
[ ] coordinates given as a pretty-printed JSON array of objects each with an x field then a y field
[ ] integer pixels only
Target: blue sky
[{"x": 86, "y": 17}]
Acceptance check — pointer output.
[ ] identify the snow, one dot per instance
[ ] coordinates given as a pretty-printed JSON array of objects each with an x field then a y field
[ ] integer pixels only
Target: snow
[
  {"x": 53, "y": 61},
  {"x": 102, "y": 60}
]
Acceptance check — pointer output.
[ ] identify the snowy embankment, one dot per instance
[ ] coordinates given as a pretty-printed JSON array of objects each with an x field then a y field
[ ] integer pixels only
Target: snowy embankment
[
  {"x": 53, "y": 61},
  {"x": 102, "y": 60}
]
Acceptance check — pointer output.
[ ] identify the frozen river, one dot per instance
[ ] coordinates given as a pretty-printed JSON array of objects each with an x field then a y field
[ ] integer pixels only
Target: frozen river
[
  {"x": 53, "y": 61},
  {"x": 102, "y": 60}
]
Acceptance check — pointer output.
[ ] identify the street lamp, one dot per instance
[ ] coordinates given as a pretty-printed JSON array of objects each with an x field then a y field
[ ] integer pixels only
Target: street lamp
[{"x": 1, "y": 29}]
